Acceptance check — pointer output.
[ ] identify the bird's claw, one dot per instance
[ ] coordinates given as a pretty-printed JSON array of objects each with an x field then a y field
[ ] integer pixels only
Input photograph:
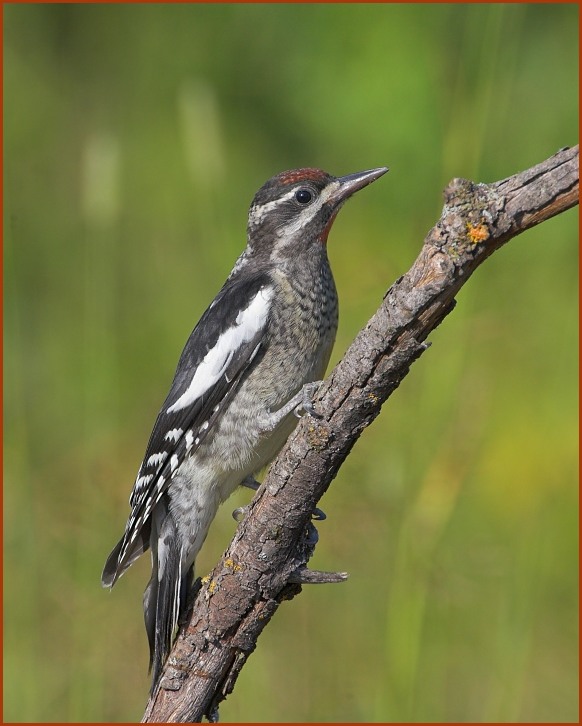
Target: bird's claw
[
  {"x": 306, "y": 406},
  {"x": 311, "y": 535},
  {"x": 239, "y": 514},
  {"x": 250, "y": 483}
]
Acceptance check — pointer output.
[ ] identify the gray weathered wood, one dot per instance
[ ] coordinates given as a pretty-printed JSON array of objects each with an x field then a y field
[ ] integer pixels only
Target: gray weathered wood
[{"x": 269, "y": 552}]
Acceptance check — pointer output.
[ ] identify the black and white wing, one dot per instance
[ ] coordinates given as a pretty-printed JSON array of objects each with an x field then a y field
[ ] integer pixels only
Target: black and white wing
[{"x": 218, "y": 353}]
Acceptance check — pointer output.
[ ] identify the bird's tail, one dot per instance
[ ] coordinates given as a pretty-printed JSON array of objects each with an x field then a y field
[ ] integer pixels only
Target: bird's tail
[
  {"x": 123, "y": 556},
  {"x": 165, "y": 596}
]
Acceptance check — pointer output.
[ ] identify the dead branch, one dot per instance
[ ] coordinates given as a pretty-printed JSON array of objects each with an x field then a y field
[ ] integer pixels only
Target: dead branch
[{"x": 266, "y": 561}]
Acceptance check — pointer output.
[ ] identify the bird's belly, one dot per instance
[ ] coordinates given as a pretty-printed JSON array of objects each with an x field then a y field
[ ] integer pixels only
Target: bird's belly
[
  {"x": 211, "y": 475},
  {"x": 240, "y": 445}
]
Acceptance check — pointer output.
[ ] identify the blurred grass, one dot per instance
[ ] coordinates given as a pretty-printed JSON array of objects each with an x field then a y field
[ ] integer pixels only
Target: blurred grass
[{"x": 134, "y": 139}]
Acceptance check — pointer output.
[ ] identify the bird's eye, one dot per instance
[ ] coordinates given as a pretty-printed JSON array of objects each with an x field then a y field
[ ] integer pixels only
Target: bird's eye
[{"x": 303, "y": 196}]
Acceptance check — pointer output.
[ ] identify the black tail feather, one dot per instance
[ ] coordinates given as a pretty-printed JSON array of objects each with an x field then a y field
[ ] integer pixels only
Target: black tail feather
[
  {"x": 114, "y": 568},
  {"x": 109, "y": 575},
  {"x": 163, "y": 596}
]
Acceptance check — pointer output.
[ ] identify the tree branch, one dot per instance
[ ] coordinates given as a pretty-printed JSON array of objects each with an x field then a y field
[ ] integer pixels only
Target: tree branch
[{"x": 267, "y": 558}]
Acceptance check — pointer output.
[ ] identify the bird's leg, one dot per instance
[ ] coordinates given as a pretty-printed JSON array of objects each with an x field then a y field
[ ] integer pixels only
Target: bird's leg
[
  {"x": 251, "y": 483},
  {"x": 300, "y": 403}
]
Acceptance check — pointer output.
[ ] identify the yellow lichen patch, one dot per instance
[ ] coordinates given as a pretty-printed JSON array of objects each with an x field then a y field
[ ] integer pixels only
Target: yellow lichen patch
[
  {"x": 205, "y": 579},
  {"x": 373, "y": 398},
  {"x": 318, "y": 436},
  {"x": 477, "y": 233},
  {"x": 212, "y": 587},
  {"x": 232, "y": 565}
]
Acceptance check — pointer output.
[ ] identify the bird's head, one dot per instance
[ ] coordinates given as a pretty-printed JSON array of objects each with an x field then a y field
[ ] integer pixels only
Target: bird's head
[{"x": 296, "y": 208}]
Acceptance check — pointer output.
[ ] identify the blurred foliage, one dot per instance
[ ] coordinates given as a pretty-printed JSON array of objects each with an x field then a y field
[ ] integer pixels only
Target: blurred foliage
[{"x": 135, "y": 137}]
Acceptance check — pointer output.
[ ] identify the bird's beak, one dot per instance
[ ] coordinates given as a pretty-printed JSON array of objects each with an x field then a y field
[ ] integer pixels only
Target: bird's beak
[{"x": 353, "y": 183}]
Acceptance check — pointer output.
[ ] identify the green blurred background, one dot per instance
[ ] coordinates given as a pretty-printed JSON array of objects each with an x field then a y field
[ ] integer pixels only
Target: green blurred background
[{"x": 135, "y": 138}]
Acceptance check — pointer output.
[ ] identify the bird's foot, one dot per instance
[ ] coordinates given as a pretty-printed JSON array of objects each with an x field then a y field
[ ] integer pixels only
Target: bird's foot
[
  {"x": 300, "y": 404},
  {"x": 306, "y": 395}
]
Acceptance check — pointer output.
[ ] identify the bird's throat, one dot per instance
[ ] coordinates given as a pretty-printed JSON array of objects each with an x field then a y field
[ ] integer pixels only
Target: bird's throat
[{"x": 325, "y": 232}]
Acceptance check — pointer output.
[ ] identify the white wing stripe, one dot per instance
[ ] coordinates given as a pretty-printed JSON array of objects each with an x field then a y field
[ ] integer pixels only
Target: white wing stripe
[{"x": 248, "y": 323}]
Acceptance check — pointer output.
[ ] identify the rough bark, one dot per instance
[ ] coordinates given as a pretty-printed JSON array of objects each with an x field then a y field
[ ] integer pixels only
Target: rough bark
[{"x": 266, "y": 560}]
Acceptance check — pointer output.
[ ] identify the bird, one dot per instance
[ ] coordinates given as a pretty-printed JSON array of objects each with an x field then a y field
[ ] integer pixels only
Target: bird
[{"x": 247, "y": 372}]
